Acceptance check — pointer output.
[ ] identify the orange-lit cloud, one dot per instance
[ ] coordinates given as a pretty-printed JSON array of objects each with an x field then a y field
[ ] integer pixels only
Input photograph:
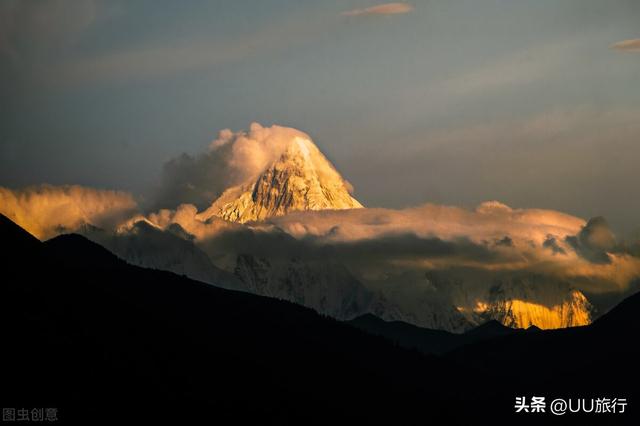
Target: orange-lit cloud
[
  {"x": 493, "y": 238},
  {"x": 632, "y": 45},
  {"x": 397, "y": 8},
  {"x": 47, "y": 210},
  {"x": 490, "y": 223}
]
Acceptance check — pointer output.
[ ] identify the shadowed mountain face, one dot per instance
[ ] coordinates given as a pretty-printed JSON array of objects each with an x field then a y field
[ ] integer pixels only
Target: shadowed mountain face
[
  {"x": 105, "y": 341},
  {"x": 328, "y": 288}
]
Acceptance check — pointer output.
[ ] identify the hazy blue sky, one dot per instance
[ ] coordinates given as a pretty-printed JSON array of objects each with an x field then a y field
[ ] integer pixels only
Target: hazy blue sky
[{"x": 450, "y": 101}]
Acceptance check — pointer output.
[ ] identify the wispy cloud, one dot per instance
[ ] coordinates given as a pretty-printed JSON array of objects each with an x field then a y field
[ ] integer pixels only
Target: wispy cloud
[
  {"x": 28, "y": 28},
  {"x": 513, "y": 70},
  {"x": 192, "y": 54},
  {"x": 381, "y": 9},
  {"x": 632, "y": 45},
  {"x": 41, "y": 40}
]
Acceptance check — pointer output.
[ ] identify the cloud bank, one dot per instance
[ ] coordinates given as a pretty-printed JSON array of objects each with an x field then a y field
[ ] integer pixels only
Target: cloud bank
[
  {"x": 493, "y": 240},
  {"x": 381, "y": 9}
]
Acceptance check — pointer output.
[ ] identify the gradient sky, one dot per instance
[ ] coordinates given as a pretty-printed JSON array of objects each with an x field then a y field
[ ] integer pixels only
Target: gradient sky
[{"x": 456, "y": 102}]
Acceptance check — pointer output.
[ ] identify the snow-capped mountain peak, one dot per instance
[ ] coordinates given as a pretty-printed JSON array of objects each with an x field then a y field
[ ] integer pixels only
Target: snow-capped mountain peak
[{"x": 300, "y": 179}]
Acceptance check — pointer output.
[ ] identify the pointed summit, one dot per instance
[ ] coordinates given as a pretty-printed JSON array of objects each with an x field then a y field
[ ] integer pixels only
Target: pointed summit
[{"x": 301, "y": 178}]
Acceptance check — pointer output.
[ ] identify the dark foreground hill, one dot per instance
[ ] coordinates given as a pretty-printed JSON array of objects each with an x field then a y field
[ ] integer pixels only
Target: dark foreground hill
[
  {"x": 426, "y": 340},
  {"x": 104, "y": 341}
]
